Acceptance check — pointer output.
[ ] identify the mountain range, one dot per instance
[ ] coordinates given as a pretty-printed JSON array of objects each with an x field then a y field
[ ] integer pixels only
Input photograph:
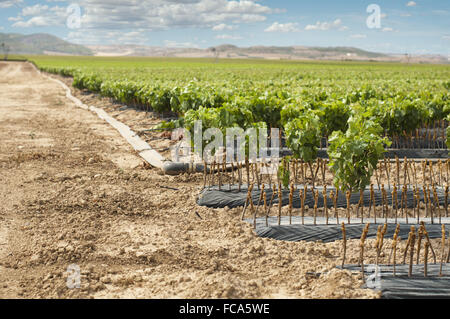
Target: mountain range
[{"x": 47, "y": 44}]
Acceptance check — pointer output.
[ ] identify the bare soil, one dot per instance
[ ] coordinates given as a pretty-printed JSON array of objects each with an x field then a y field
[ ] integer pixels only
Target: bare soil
[{"x": 73, "y": 192}]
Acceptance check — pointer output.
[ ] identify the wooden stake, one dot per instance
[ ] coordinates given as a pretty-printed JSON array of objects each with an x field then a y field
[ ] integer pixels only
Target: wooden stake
[
  {"x": 381, "y": 242},
  {"x": 431, "y": 206},
  {"x": 361, "y": 245},
  {"x": 384, "y": 200},
  {"x": 418, "y": 206},
  {"x": 302, "y": 206},
  {"x": 265, "y": 207},
  {"x": 425, "y": 266},
  {"x": 408, "y": 243},
  {"x": 446, "y": 201},
  {"x": 419, "y": 243},
  {"x": 316, "y": 199},
  {"x": 324, "y": 170},
  {"x": 304, "y": 199},
  {"x": 211, "y": 180},
  {"x": 397, "y": 230},
  {"x": 204, "y": 174},
  {"x": 219, "y": 171},
  {"x": 280, "y": 203},
  {"x": 325, "y": 203},
  {"x": 361, "y": 204},
  {"x": 442, "y": 250},
  {"x": 436, "y": 204},
  {"x": 232, "y": 173},
  {"x": 424, "y": 168},
  {"x": 397, "y": 164},
  {"x": 247, "y": 168},
  {"x": 256, "y": 172},
  {"x": 386, "y": 168},
  {"x": 249, "y": 196},
  {"x": 261, "y": 195},
  {"x": 405, "y": 171},
  {"x": 377, "y": 177},
  {"x": 377, "y": 243},
  {"x": 395, "y": 202},
  {"x": 428, "y": 240},
  {"x": 294, "y": 167},
  {"x": 274, "y": 191},
  {"x": 344, "y": 243},
  {"x": 431, "y": 173},
  {"x": 411, "y": 256},
  {"x": 415, "y": 174},
  {"x": 348, "y": 194},
  {"x": 291, "y": 197},
  {"x": 372, "y": 199},
  {"x": 239, "y": 175},
  {"x": 448, "y": 251},
  {"x": 396, "y": 241},
  {"x": 405, "y": 191}
]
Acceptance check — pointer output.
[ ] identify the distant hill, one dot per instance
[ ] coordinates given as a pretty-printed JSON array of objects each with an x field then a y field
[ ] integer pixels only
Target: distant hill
[
  {"x": 232, "y": 51},
  {"x": 264, "y": 52},
  {"x": 41, "y": 43}
]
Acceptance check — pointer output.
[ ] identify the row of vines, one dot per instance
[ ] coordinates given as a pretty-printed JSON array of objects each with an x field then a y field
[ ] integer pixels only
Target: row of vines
[{"x": 400, "y": 99}]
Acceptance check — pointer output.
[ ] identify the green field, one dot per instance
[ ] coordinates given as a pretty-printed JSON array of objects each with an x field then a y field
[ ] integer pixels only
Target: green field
[{"x": 224, "y": 93}]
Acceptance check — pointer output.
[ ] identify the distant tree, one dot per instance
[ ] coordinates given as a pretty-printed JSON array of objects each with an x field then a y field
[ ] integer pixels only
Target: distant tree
[
  {"x": 5, "y": 49},
  {"x": 215, "y": 53},
  {"x": 408, "y": 57}
]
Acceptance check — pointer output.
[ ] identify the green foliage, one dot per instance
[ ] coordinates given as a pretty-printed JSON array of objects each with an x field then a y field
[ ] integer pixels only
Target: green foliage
[
  {"x": 283, "y": 172},
  {"x": 448, "y": 134},
  {"x": 303, "y": 136},
  {"x": 334, "y": 117},
  {"x": 354, "y": 154},
  {"x": 399, "y": 97},
  {"x": 170, "y": 125}
]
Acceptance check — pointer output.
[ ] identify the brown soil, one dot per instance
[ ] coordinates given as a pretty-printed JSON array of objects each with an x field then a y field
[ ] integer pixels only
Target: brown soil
[{"x": 73, "y": 192}]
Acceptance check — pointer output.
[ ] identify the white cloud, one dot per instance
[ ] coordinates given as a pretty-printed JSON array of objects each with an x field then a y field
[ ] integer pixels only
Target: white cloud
[
  {"x": 223, "y": 26},
  {"x": 283, "y": 27},
  {"x": 9, "y": 3},
  {"x": 228, "y": 37},
  {"x": 383, "y": 15},
  {"x": 40, "y": 16},
  {"x": 33, "y": 10},
  {"x": 446, "y": 37},
  {"x": 387, "y": 29},
  {"x": 411, "y": 4},
  {"x": 33, "y": 22},
  {"x": 358, "y": 36},
  {"x": 167, "y": 14},
  {"x": 324, "y": 26},
  {"x": 101, "y": 16},
  {"x": 14, "y": 19}
]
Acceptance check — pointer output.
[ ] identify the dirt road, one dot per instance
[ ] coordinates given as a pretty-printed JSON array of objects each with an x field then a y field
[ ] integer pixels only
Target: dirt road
[{"x": 72, "y": 192}]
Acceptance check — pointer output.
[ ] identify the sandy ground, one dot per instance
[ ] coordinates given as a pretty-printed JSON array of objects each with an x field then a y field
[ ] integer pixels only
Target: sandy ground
[{"x": 73, "y": 192}]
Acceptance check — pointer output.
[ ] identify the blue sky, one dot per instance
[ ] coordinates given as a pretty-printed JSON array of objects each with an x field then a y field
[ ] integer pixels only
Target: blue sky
[{"x": 420, "y": 26}]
